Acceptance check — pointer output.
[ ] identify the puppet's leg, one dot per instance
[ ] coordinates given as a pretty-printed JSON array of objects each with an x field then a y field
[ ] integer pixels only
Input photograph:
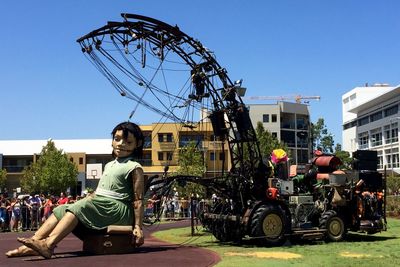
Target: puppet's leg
[
  {"x": 41, "y": 233},
  {"x": 45, "y": 247}
]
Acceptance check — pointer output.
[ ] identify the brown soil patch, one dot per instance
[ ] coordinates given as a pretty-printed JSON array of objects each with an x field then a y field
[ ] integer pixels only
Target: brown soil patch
[{"x": 271, "y": 255}]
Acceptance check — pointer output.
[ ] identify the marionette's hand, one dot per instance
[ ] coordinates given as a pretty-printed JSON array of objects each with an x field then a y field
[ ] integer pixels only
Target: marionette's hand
[{"x": 138, "y": 237}]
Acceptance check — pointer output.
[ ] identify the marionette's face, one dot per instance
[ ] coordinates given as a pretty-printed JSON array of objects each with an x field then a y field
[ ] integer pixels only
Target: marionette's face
[{"x": 123, "y": 147}]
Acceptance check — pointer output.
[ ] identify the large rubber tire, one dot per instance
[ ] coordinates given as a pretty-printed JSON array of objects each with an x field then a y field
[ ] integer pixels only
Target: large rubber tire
[
  {"x": 334, "y": 225},
  {"x": 269, "y": 225}
]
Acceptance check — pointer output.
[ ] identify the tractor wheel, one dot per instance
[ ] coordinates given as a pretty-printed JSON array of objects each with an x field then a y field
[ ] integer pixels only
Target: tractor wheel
[
  {"x": 334, "y": 225},
  {"x": 269, "y": 224}
]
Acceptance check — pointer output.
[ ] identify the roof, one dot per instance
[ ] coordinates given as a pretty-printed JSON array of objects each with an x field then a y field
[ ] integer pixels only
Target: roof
[
  {"x": 381, "y": 95},
  {"x": 30, "y": 147}
]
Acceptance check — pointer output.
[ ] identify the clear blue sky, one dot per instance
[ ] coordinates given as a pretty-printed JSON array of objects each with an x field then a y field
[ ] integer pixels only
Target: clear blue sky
[{"x": 282, "y": 47}]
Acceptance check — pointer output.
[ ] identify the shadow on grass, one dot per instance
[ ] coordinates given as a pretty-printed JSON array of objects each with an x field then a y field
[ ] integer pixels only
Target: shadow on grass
[
  {"x": 354, "y": 237},
  {"x": 350, "y": 238}
]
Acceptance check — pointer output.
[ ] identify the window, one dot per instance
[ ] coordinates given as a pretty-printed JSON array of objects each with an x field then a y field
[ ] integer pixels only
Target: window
[
  {"x": 376, "y": 137},
  {"x": 289, "y": 138},
  {"x": 389, "y": 161},
  {"x": 169, "y": 137},
  {"x": 350, "y": 125},
  {"x": 302, "y": 139},
  {"x": 212, "y": 156},
  {"x": 395, "y": 132},
  {"x": 287, "y": 121},
  {"x": 363, "y": 140},
  {"x": 391, "y": 133},
  {"x": 146, "y": 160},
  {"x": 265, "y": 117},
  {"x": 302, "y": 156},
  {"x": 16, "y": 164},
  {"x": 380, "y": 162},
  {"x": 160, "y": 156},
  {"x": 395, "y": 160},
  {"x": 221, "y": 156},
  {"x": 391, "y": 110},
  {"x": 363, "y": 121},
  {"x": 302, "y": 122},
  {"x": 147, "y": 141},
  {"x": 185, "y": 139},
  {"x": 376, "y": 116},
  {"x": 165, "y": 137},
  {"x": 274, "y": 118},
  {"x": 169, "y": 155},
  {"x": 388, "y": 139},
  {"x": 274, "y": 134},
  {"x": 80, "y": 161}
]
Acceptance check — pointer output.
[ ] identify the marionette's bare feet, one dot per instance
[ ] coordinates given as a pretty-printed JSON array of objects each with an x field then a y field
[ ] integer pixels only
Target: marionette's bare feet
[
  {"x": 21, "y": 251},
  {"x": 39, "y": 246}
]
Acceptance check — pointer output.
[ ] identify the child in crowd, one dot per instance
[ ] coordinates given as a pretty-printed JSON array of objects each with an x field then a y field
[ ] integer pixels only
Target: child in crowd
[{"x": 15, "y": 207}]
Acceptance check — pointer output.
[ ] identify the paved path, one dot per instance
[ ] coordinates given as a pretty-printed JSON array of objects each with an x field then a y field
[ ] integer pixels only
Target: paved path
[{"x": 153, "y": 253}]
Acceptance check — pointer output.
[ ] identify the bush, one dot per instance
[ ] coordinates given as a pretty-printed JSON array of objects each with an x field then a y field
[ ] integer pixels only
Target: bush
[
  {"x": 393, "y": 206},
  {"x": 393, "y": 184}
]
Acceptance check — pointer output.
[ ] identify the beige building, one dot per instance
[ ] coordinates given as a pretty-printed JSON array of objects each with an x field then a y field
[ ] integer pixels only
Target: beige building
[
  {"x": 161, "y": 148},
  {"x": 289, "y": 123}
]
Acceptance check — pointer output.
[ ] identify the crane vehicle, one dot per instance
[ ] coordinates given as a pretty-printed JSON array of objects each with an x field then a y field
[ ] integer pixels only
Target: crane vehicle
[{"x": 175, "y": 76}]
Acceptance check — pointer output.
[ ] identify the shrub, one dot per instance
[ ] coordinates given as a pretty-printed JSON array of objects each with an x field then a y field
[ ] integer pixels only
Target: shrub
[{"x": 393, "y": 206}]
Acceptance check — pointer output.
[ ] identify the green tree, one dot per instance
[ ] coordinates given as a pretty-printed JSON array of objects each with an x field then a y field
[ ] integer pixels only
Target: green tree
[
  {"x": 3, "y": 179},
  {"x": 344, "y": 156},
  {"x": 191, "y": 162},
  {"x": 52, "y": 173},
  {"x": 267, "y": 141},
  {"x": 321, "y": 138}
]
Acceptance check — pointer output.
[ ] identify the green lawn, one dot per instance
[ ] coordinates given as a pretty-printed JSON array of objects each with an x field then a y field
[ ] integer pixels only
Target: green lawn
[{"x": 382, "y": 249}]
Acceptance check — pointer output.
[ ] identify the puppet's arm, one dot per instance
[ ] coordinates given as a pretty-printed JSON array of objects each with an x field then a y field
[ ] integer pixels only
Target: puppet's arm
[{"x": 138, "y": 206}]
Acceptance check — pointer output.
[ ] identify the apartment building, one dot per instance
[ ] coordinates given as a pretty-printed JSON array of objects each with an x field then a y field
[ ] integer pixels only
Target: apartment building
[
  {"x": 161, "y": 148},
  {"x": 371, "y": 119},
  {"x": 288, "y": 122}
]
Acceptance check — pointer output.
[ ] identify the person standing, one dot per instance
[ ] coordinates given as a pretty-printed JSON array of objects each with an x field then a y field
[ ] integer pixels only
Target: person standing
[
  {"x": 35, "y": 205},
  {"x": 4, "y": 203},
  {"x": 63, "y": 199},
  {"x": 15, "y": 207},
  {"x": 47, "y": 208}
]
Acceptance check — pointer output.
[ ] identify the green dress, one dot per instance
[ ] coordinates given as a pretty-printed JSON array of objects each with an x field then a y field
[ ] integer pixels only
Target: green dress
[{"x": 112, "y": 202}]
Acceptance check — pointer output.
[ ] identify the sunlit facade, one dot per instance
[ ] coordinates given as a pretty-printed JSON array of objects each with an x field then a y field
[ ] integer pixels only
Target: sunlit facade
[
  {"x": 161, "y": 148},
  {"x": 371, "y": 120}
]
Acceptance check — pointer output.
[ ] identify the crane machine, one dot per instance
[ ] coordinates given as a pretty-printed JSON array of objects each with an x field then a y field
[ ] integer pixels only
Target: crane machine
[{"x": 297, "y": 98}]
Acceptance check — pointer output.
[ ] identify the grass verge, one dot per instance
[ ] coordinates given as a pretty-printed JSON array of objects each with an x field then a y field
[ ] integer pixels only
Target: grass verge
[{"x": 381, "y": 249}]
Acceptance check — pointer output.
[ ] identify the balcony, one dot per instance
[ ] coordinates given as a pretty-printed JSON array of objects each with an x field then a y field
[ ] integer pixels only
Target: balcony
[
  {"x": 13, "y": 169},
  {"x": 167, "y": 146},
  {"x": 212, "y": 145}
]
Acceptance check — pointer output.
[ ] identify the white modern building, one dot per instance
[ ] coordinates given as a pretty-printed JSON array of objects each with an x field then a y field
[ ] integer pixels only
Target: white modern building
[{"x": 371, "y": 121}]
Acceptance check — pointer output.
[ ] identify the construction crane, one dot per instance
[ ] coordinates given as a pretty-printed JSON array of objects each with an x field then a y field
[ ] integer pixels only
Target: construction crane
[{"x": 296, "y": 98}]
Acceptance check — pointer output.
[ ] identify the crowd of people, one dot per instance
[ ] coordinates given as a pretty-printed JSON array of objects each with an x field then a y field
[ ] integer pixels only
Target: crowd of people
[
  {"x": 29, "y": 211},
  {"x": 171, "y": 207}
]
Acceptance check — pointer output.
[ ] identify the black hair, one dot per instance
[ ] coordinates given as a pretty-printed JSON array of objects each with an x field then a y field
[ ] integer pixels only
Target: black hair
[{"x": 130, "y": 127}]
